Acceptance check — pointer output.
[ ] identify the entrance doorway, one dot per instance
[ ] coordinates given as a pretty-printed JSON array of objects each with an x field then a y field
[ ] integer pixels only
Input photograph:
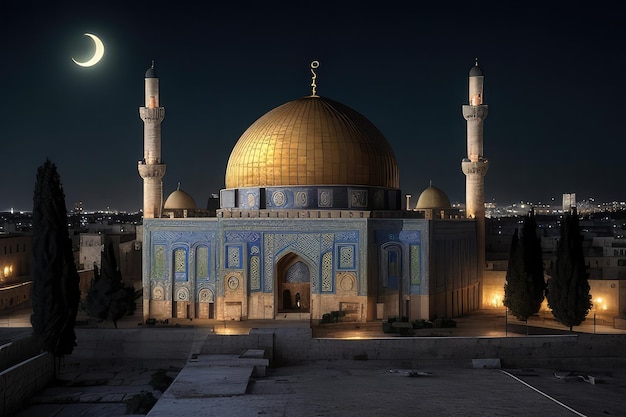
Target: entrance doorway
[{"x": 293, "y": 290}]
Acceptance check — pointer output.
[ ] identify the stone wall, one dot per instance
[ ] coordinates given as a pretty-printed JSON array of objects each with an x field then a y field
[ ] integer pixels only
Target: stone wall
[{"x": 20, "y": 382}]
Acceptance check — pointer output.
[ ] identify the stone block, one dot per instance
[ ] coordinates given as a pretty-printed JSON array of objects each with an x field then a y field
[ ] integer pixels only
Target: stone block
[{"x": 487, "y": 363}]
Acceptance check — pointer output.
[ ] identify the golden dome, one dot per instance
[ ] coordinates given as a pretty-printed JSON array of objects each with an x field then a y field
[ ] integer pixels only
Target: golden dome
[
  {"x": 179, "y": 200},
  {"x": 432, "y": 198},
  {"x": 312, "y": 141}
]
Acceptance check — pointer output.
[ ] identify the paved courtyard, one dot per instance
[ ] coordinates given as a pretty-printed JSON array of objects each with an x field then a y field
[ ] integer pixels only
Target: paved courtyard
[{"x": 343, "y": 388}]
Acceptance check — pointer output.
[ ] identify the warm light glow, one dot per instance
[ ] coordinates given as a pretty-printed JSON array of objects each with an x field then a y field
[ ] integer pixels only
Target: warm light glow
[
  {"x": 496, "y": 299},
  {"x": 231, "y": 330},
  {"x": 599, "y": 304}
]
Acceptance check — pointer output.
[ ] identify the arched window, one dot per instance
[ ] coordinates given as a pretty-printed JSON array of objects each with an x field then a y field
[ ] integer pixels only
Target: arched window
[{"x": 180, "y": 264}]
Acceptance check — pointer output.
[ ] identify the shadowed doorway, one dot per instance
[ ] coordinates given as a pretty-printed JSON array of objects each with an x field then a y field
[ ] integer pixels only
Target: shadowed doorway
[{"x": 294, "y": 285}]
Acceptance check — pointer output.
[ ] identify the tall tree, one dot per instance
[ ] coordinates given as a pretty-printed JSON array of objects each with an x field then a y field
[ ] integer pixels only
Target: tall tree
[
  {"x": 568, "y": 287},
  {"x": 108, "y": 298},
  {"x": 56, "y": 293},
  {"x": 525, "y": 284}
]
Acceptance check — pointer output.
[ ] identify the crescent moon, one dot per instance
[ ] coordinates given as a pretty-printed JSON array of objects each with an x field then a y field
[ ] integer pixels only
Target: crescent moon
[{"x": 98, "y": 54}]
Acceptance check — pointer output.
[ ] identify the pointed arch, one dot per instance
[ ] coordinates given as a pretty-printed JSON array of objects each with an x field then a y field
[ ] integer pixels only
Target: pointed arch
[{"x": 293, "y": 283}]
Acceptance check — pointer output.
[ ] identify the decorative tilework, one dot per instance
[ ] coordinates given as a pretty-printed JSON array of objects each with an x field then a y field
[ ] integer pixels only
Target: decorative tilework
[
  {"x": 327, "y": 272},
  {"x": 180, "y": 264},
  {"x": 268, "y": 262},
  {"x": 346, "y": 257},
  {"x": 358, "y": 198},
  {"x": 240, "y": 236},
  {"x": 328, "y": 239},
  {"x": 347, "y": 236},
  {"x": 301, "y": 199},
  {"x": 410, "y": 236},
  {"x": 394, "y": 267},
  {"x": 158, "y": 262},
  {"x": 206, "y": 296},
  {"x": 182, "y": 294},
  {"x": 255, "y": 273},
  {"x": 158, "y": 293},
  {"x": 202, "y": 262},
  {"x": 415, "y": 264},
  {"x": 179, "y": 260},
  {"x": 233, "y": 256},
  {"x": 297, "y": 273},
  {"x": 278, "y": 198},
  {"x": 325, "y": 197}
]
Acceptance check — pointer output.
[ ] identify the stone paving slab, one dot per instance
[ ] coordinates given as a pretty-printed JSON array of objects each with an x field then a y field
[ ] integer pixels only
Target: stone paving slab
[
  {"x": 350, "y": 388},
  {"x": 205, "y": 380},
  {"x": 74, "y": 410}
]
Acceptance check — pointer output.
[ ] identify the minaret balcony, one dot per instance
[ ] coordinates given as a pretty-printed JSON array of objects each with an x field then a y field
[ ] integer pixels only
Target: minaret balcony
[
  {"x": 151, "y": 170},
  {"x": 475, "y": 112},
  {"x": 156, "y": 114},
  {"x": 479, "y": 167}
]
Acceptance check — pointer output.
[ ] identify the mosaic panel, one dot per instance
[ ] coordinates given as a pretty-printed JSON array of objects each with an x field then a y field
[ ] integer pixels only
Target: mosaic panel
[
  {"x": 158, "y": 262},
  {"x": 414, "y": 253},
  {"x": 206, "y": 296},
  {"x": 182, "y": 294},
  {"x": 297, "y": 273},
  {"x": 301, "y": 199},
  {"x": 327, "y": 272},
  {"x": 410, "y": 236},
  {"x": 268, "y": 265},
  {"x": 358, "y": 198},
  {"x": 278, "y": 198},
  {"x": 202, "y": 262},
  {"x": 180, "y": 264},
  {"x": 346, "y": 257},
  {"x": 347, "y": 236},
  {"x": 328, "y": 239},
  {"x": 379, "y": 199},
  {"x": 239, "y": 236},
  {"x": 255, "y": 273},
  {"x": 233, "y": 257},
  {"x": 158, "y": 293},
  {"x": 324, "y": 197},
  {"x": 308, "y": 243},
  {"x": 394, "y": 267},
  {"x": 284, "y": 239}
]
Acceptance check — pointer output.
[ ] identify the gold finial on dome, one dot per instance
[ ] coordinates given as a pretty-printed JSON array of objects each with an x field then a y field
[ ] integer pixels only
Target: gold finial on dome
[{"x": 314, "y": 65}]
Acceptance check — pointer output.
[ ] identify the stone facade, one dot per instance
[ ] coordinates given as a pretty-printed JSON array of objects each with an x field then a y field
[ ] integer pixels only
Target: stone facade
[{"x": 228, "y": 268}]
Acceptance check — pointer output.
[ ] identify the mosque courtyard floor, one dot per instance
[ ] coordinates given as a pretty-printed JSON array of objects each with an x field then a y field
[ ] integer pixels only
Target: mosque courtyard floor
[{"x": 342, "y": 388}]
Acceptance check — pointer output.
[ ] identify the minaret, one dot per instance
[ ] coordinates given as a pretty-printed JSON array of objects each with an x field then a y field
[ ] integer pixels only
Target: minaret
[
  {"x": 151, "y": 167},
  {"x": 475, "y": 165}
]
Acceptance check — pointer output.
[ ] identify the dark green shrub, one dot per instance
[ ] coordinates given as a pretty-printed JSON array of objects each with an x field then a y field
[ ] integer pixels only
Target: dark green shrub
[{"x": 444, "y": 323}]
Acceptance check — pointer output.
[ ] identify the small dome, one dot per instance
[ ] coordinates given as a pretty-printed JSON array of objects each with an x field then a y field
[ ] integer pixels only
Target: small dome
[
  {"x": 151, "y": 72},
  {"x": 179, "y": 200},
  {"x": 476, "y": 71},
  {"x": 433, "y": 198}
]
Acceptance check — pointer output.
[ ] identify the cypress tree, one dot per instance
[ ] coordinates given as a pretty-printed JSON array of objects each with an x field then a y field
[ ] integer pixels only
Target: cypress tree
[
  {"x": 525, "y": 284},
  {"x": 108, "y": 298},
  {"x": 55, "y": 293},
  {"x": 568, "y": 288}
]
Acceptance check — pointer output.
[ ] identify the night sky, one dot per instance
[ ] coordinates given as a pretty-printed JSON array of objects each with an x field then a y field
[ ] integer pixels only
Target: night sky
[{"x": 554, "y": 82}]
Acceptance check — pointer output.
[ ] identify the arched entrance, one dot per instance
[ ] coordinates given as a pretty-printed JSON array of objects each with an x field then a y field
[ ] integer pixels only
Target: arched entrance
[{"x": 293, "y": 286}]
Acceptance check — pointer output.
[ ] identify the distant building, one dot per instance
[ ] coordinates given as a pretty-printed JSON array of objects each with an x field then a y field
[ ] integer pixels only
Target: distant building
[{"x": 569, "y": 201}]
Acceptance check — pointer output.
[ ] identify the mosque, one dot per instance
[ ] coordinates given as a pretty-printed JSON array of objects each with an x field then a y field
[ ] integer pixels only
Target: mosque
[{"x": 311, "y": 224}]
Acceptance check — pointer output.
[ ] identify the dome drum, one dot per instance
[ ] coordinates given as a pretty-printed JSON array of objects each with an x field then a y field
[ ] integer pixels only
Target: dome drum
[{"x": 331, "y": 197}]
